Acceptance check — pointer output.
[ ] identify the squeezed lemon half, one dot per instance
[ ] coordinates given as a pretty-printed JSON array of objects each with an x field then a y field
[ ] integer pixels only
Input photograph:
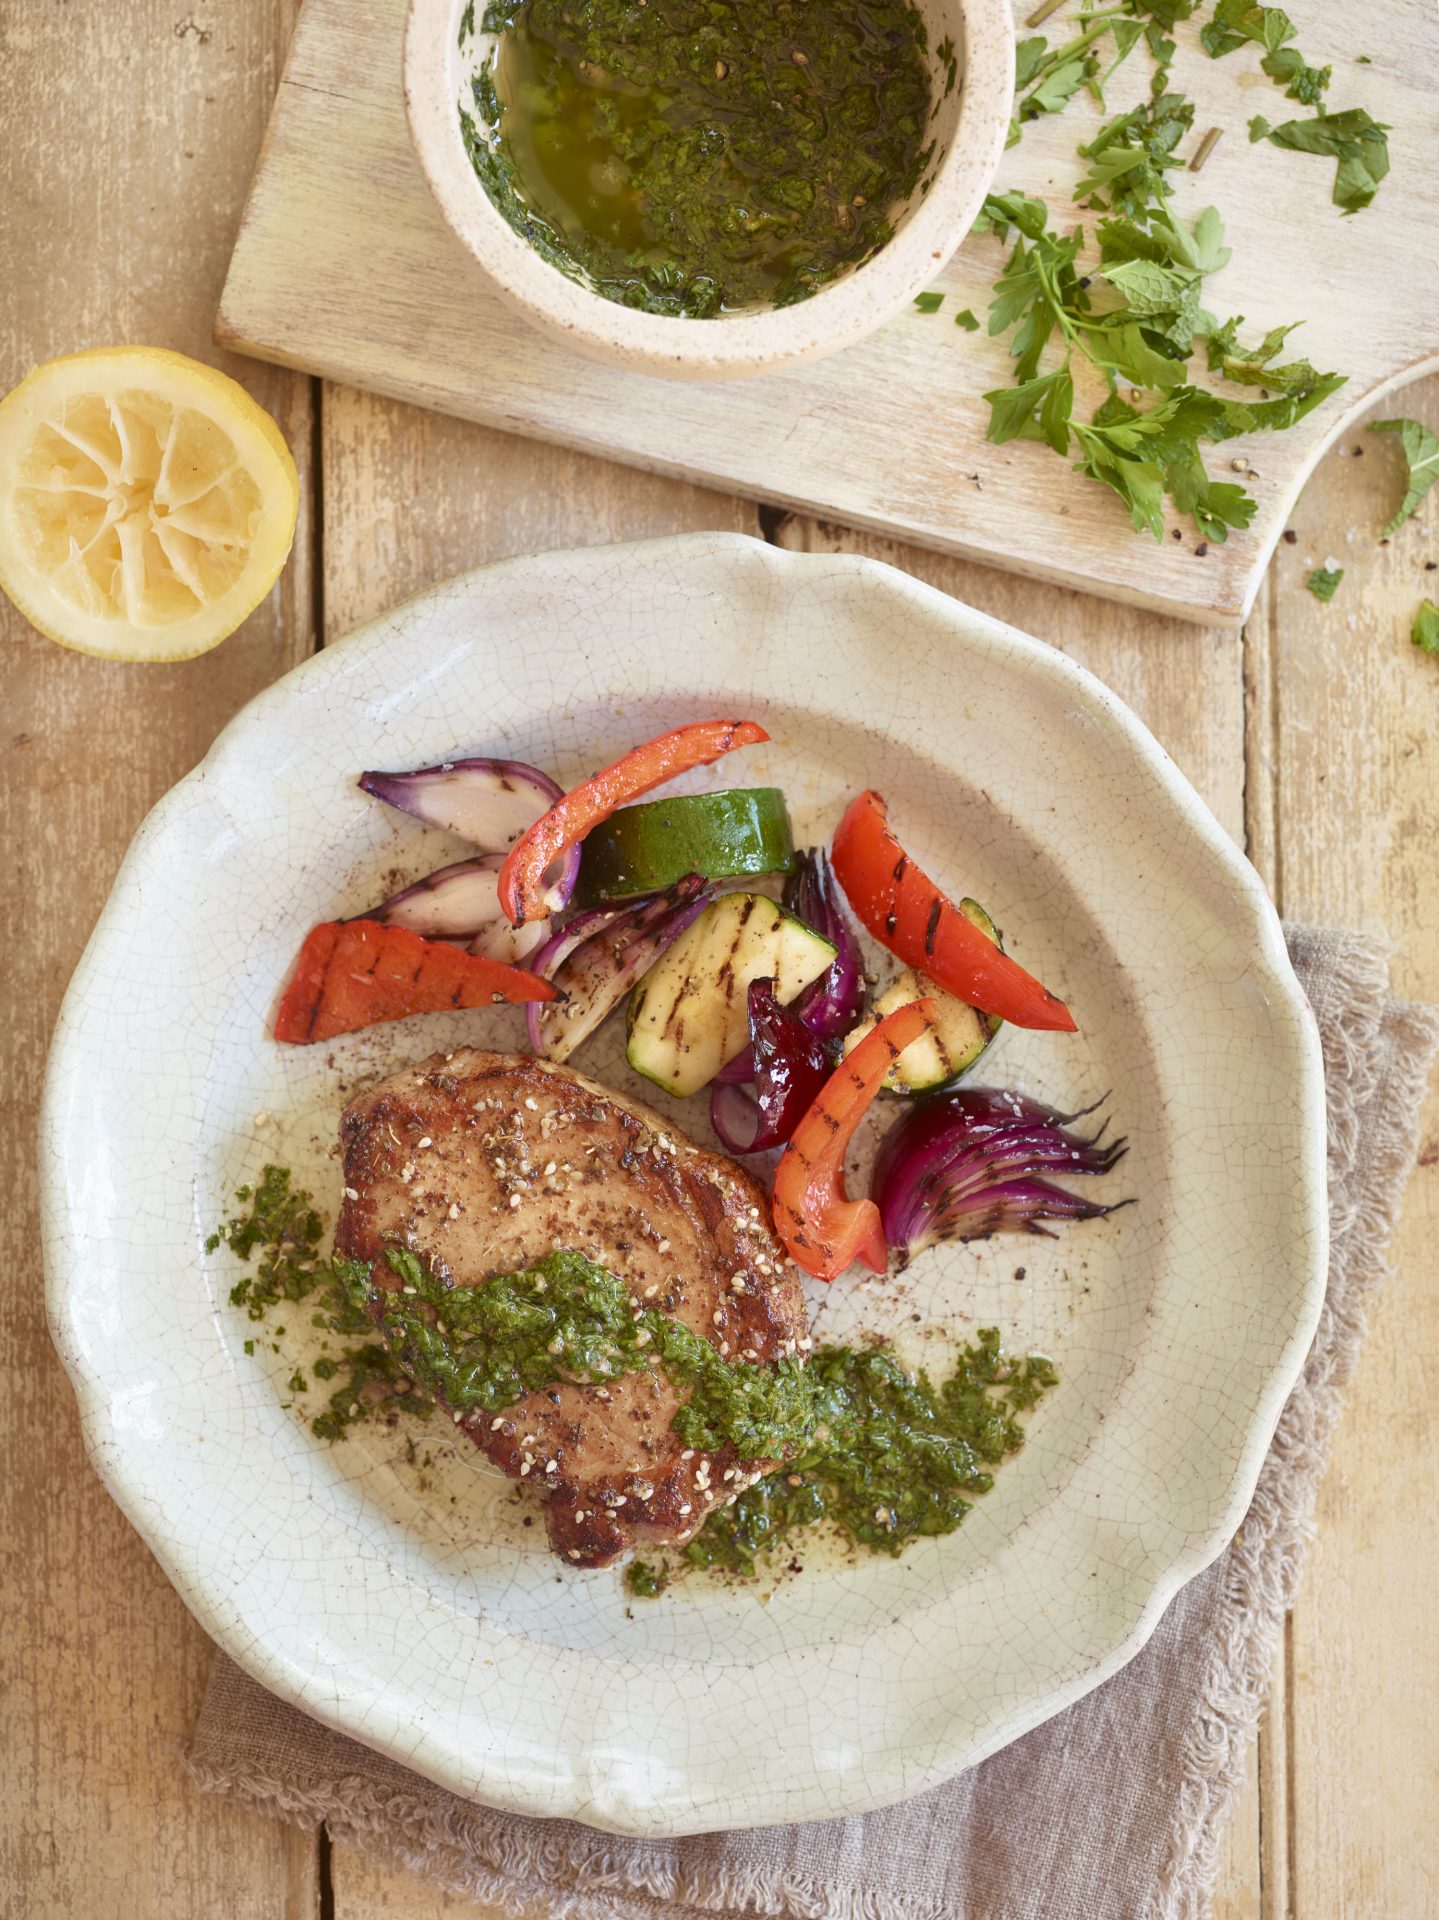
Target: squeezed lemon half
[{"x": 147, "y": 503}]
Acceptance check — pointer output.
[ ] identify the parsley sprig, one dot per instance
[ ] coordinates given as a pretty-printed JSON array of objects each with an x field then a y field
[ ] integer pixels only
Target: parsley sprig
[
  {"x": 1103, "y": 335},
  {"x": 1047, "y": 78},
  {"x": 1132, "y": 318}
]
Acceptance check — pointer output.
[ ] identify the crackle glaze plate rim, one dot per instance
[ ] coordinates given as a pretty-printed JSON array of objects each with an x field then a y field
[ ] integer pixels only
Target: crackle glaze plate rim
[{"x": 615, "y": 1790}]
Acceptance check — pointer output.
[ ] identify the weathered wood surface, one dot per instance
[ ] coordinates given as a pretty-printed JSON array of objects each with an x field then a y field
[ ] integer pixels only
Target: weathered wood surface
[
  {"x": 119, "y": 235},
  {"x": 1343, "y": 805},
  {"x": 1313, "y": 734},
  {"x": 345, "y": 267}
]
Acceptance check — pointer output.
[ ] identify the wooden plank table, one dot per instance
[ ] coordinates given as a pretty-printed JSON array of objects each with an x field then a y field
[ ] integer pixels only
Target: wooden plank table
[{"x": 1312, "y": 734}]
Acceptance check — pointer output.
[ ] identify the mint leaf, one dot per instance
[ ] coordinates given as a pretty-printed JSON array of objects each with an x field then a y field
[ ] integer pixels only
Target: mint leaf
[
  {"x": 1148, "y": 288},
  {"x": 1296, "y": 376},
  {"x": 1425, "y": 630},
  {"x": 1249, "y": 366},
  {"x": 1421, "y": 457},
  {"x": 1273, "y": 416},
  {"x": 1297, "y": 386},
  {"x": 1352, "y": 138},
  {"x": 1323, "y": 581},
  {"x": 1223, "y": 340}
]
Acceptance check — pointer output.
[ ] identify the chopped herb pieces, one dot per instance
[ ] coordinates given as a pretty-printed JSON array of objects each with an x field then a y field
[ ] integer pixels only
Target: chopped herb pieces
[
  {"x": 1236, "y": 22},
  {"x": 1352, "y": 138},
  {"x": 644, "y": 1581},
  {"x": 1130, "y": 155},
  {"x": 283, "y": 1228},
  {"x": 965, "y": 318},
  {"x": 1421, "y": 456},
  {"x": 1323, "y": 582},
  {"x": 1301, "y": 82},
  {"x": 1425, "y": 630},
  {"x": 1135, "y": 317},
  {"x": 929, "y": 302}
]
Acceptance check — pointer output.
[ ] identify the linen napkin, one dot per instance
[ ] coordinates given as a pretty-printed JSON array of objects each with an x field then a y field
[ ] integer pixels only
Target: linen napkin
[{"x": 1110, "y": 1811}]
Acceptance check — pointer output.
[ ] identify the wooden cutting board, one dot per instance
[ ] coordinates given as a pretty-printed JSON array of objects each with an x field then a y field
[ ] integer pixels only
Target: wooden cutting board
[{"x": 344, "y": 267}]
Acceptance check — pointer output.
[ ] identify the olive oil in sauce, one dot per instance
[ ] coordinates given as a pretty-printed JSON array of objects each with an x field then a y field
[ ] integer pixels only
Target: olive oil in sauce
[{"x": 702, "y": 156}]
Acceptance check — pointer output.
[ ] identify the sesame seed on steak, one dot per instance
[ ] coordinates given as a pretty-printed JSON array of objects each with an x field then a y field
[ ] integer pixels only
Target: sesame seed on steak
[{"x": 483, "y": 1163}]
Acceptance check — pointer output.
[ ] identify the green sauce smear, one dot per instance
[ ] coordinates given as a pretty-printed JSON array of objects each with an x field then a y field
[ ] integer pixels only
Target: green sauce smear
[
  {"x": 881, "y": 1454},
  {"x": 480, "y": 1348},
  {"x": 890, "y": 1456},
  {"x": 695, "y": 157},
  {"x": 280, "y": 1224}
]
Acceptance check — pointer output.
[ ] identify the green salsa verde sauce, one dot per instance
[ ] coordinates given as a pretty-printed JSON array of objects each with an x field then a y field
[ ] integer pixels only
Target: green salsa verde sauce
[
  {"x": 480, "y": 1348},
  {"x": 882, "y": 1454},
  {"x": 698, "y": 157},
  {"x": 890, "y": 1456}
]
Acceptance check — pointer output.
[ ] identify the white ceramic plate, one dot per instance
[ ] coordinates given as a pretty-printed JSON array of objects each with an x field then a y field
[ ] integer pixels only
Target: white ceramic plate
[{"x": 407, "y": 1604}]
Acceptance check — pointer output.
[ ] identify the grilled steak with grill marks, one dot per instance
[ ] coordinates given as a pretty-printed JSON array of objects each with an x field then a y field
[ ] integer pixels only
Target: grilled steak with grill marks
[{"x": 482, "y": 1163}]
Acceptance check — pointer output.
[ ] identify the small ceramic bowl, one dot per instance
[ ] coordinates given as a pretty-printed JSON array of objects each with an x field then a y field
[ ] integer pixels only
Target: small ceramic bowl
[{"x": 968, "y": 122}]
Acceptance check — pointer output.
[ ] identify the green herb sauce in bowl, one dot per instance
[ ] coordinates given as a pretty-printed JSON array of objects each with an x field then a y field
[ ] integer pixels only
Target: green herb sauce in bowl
[
  {"x": 788, "y": 175},
  {"x": 700, "y": 159}
]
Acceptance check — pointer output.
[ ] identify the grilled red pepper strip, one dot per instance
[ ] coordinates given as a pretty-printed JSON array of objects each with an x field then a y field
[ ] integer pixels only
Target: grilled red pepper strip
[
  {"x": 356, "y": 973},
  {"x": 823, "y": 1229},
  {"x": 906, "y": 912},
  {"x": 522, "y": 888}
]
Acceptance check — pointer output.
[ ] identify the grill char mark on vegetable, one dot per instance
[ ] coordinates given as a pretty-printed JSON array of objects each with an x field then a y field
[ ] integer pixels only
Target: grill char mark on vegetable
[{"x": 356, "y": 973}]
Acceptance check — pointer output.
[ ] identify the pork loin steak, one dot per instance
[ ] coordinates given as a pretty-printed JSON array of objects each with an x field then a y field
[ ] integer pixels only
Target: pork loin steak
[{"x": 482, "y": 1163}]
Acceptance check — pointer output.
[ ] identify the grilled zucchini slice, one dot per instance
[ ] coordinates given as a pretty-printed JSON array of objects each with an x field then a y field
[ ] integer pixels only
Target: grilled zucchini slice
[
  {"x": 689, "y": 1016},
  {"x": 952, "y": 1043}
]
